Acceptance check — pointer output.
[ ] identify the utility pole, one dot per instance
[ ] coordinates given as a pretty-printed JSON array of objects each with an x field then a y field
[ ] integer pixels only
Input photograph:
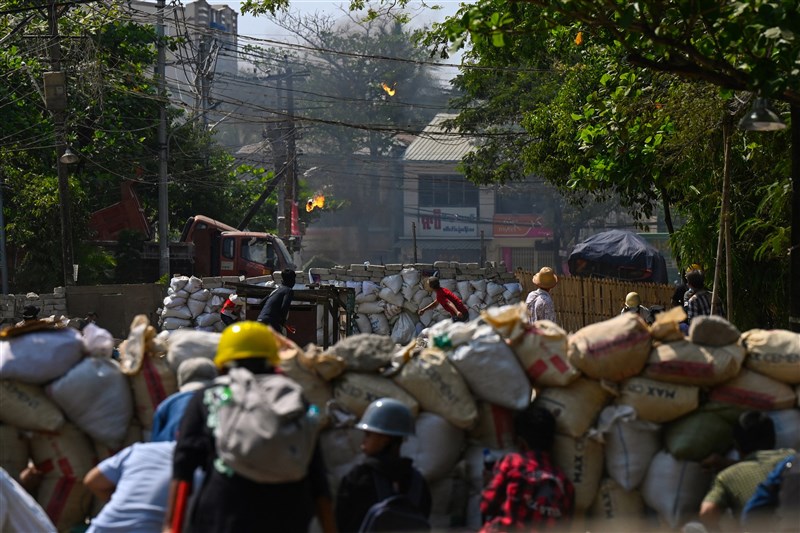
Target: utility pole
[
  {"x": 291, "y": 160},
  {"x": 56, "y": 102},
  {"x": 163, "y": 202},
  {"x": 3, "y": 257}
]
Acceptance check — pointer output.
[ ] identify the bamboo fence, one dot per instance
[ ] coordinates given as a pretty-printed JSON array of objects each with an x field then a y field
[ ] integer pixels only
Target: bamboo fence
[{"x": 583, "y": 301}]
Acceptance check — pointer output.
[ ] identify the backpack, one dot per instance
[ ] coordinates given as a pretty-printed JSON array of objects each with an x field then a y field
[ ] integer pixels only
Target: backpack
[
  {"x": 265, "y": 431},
  {"x": 774, "y": 493},
  {"x": 396, "y": 512}
]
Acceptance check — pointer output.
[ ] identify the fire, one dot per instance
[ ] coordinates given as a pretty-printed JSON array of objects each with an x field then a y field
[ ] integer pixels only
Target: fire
[
  {"x": 317, "y": 201},
  {"x": 579, "y": 38},
  {"x": 389, "y": 90}
]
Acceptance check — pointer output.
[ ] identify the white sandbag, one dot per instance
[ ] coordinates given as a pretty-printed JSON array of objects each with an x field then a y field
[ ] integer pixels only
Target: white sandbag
[
  {"x": 509, "y": 297},
  {"x": 491, "y": 370},
  {"x": 474, "y": 301},
  {"x": 658, "y": 401},
  {"x": 26, "y": 406},
  {"x": 392, "y": 311},
  {"x": 186, "y": 344},
  {"x": 97, "y": 342},
  {"x": 40, "y": 356},
  {"x": 617, "y": 509},
  {"x": 364, "y": 352},
  {"x": 317, "y": 391},
  {"x": 507, "y": 320},
  {"x": 435, "y": 447},
  {"x": 787, "y": 428},
  {"x": 172, "y": 323},
  {"x": 365, "y": 297},
  {"x": 449, "y": 284},
  {"x": 445, "y": 508},
  {"x": 369, "y": 287},
  {"x": 355, "y": 285},
  {"x": 64, "y": 458},
  {"x": 541, "y": 349},
  {"x": 182, "y": 312},
  {"x": 713, "y": 330},
  {"x": 205, "y": 320},
  {"x": 420, "y": 295},
  {"x": 380, "y": 324},
  {"x": 464, "y": 289},
  {"x": 193, "y": 285},
  {"x": 386, "y": 294},
  {"x": 354, "y": 392},
  {"x": 495, "y": 427},
  {"x": 404, "y": 329},
  {"x": 630, "y": 444},
  {"x": 514, "y": 288},
  {"x": 196, "y": 307},
  {"x": 362, "y": 323},
  {"x": 479, "y": 285},
  {"x": 494, "y": 289},
  {"x": 409, "y": 291},
  {"x": 177, "y": 283},
  {"x": 202, "y": 295},
  {"x": 448, "y": 334},
  {"x": 393, "y": 283},
  {"x": 151, "y": 385},
  {"x": 173, "y": 301},
  {"x": 581, "y": 459},
  {"x": 752, "y": 390},
  {"x": 410, "y": 276},
  {"x": 576, "y": 406},
  {"x": 774, "y": 353},
  {"x": 411, "y": 306},
  {"x": 613, "y": 349},
  {"x": 692, "y": 364},
  {"x": 15, "y": 451},
  {"x": 675, "y": 489},
  {"x": 103, "y": 451},
  {"x": 94, "y": 395},
  {"x": 438, "y": 387}
]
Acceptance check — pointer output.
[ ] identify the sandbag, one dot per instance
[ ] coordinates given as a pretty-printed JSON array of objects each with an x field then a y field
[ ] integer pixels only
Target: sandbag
[
  {"x": 491, "y": 370},
  {"x": 177, "y": 283},
  {"x": 666, "y": 327},
  {"x": 193, "y": 285},
  {"x": 151, "y": 385},
  {"x": 675, "y": 488},
  {"x": 393, "y": 282},
  {"x": 315, "y": 390},
  {"x": 26, "y": 406},
  {"x": 364, "y": 352},
  {"x": 541, "y": 348},
  {"x": 692, "y": 364},
  {"x": 435, "y": 447},
  {"x": 617, "y": 509},
  {"x": 133, "y": 434},
  {"x": 366, "y": 297},
  {"x": 354, "y": 392},
  {"x": 379, "y": 323},
  {"x": 207, "y": 320},
  {"x": 713, "y": 330},
  {"x": 14, "y": 451},
  {"x": 182, "y": 313},
  {"x": 97, "y": 342},
  {"x": 630, "y": 444},
  {"x": 754, "y": 391},
  {"x": 495, "y": 427},
  {"x": 64, "y": 458},
  {"x": 362, "y": 322},
  {"x": 697, "y": 435},
  {"x": 195, "y": 307},
  {"x": 438, "y": 387},
  {"x": 658, "y": 401},
  {"x": 341, "y": 451},
  {"x": 186, "y": 344},
  {"x": 507, "y": 320},
  {"x": 404, "y": 329},
  {"x": 324, "y": 364},
  {"x": 371, "y": 308},
  {"x": 449, "y": 335},
  {"x": 173, "y": 301},
  {"x": 581, "y": 460},
  {"x": 576, "y": 406},
  {"x": 203, "y": 295},
  {"x": 388, "y": 295},
  {"x": 444, "y": 507},
  {"x": 40, "y": 356},
  {"x": 787, "y": 428},
  {"x": 614, "y": 349},
  {"x": 410, "y": 276},
  {"x": 171, "y": 323},
  {"x": 95, "y": 396},
  {"x": 774, "y": 353}
]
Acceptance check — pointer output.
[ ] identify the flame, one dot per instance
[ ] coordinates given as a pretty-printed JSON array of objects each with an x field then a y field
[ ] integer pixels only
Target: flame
[
  {"x": 579, "y": 38},
  {"x": 389, "y": 90},
  {"x": 317, "y": 201}
]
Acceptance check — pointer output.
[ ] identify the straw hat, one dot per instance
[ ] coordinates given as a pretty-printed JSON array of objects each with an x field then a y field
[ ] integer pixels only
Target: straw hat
[{"x": 545, "y": 278}]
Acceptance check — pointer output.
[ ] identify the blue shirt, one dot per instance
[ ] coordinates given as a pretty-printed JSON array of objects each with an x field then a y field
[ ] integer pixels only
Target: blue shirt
[
  {"x": 142, "y": 473},
  {"x": 168, "y": 416}
]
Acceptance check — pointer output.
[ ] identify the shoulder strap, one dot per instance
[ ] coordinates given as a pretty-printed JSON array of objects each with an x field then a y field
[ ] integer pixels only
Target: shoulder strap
[
  {"x": 383, "y": 485},
  {"x": 415, "y": 489}
]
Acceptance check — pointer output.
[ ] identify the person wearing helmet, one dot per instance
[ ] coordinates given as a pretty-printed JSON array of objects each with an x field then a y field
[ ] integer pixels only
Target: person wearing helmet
[
  {"x": 633, "y": 304},
  {"x": 227, "y": 501},
  {"x": 385, "y": 423}
]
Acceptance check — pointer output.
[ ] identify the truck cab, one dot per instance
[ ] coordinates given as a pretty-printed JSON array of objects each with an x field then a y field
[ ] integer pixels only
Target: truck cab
[{"x": 222, "y": 250}]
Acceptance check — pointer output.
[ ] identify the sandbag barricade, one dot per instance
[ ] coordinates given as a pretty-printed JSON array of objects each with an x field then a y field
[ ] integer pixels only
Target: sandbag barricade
[
  {"x": 774, "y": 353},
  {"x": 581, "y": 459},
  {"x": 692, "y": 364},
  {"x": 355, "y": 392},
  {"x": 576, "y": 406},
  {"x": 617, "y": 509},
  {"x": 700, "y": 433},
  {"x": 658, "y": 401},
  {"x": 187, "y": 343},
  {"x": 435, "y": 447},
  {"x": 27, "y": 406},
  {"x": 495, "y": 427},
  {"x": 752, "y": 390},
  {"x": 674, "y": 488},
  {"x": 14, "y": 451},
  {"x": 40, "y": 356},
  {"x": 541, "y": 348},
  {"x": 630, "y": 444},
  {"x": 614, "y": 349},
  {"x": 151, "y": 385}
]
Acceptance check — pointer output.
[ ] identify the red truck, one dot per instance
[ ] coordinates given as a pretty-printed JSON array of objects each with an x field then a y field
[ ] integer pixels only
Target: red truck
[{"x": 207, "y": 247}]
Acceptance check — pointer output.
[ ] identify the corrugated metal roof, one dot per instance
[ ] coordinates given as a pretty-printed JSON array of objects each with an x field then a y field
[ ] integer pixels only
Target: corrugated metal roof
[{"x": 436, "y": 144}]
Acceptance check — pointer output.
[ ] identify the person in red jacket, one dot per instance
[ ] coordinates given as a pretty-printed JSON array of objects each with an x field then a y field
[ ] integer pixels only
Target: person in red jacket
[{"x": 451, "y": 303}]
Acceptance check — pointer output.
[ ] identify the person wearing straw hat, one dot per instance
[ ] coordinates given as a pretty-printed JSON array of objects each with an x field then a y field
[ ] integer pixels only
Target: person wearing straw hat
[{"x": 540, "y": 304}]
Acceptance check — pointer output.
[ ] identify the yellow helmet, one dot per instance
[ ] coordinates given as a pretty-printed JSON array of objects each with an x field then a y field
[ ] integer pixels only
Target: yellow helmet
[
  {"x": 693, "y": 266},
  {"x": 246, "y": 340},
  {"x": 632, "y": 299}
]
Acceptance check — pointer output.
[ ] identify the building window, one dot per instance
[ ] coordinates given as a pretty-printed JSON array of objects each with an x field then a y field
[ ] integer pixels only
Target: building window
[{"x": 446, "y": 190}]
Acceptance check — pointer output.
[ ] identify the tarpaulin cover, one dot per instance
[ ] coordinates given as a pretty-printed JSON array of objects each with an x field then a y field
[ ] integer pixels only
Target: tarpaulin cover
[{"x": 618, "y": 254}]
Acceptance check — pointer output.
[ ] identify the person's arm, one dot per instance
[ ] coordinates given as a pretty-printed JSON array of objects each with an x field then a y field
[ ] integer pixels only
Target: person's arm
[
  {"x": 99, "y": 485},
  {"x": 428, "y": 307},
  {"x": 710, "y": 514},
  {"x": 494, "y": 495}
]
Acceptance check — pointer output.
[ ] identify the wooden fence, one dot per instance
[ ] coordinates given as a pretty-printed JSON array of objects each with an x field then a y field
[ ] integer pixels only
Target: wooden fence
[{"x": 583, "y": 301}]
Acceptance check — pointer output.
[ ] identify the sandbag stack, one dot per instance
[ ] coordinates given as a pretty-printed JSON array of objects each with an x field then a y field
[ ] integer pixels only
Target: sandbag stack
[{"x": 189, "y": 305}]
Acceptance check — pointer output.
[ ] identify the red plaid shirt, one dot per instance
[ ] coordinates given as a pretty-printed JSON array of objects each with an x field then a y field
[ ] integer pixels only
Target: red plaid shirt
[{"x": 527, "y": 493}]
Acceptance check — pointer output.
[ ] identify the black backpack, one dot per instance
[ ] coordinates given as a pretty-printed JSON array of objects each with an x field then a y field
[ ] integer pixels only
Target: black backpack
[{"x": 393, "y": 511}]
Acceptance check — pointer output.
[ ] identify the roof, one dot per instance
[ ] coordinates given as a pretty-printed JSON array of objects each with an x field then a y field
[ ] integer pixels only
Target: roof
[{"x": 437, "y": 144}]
